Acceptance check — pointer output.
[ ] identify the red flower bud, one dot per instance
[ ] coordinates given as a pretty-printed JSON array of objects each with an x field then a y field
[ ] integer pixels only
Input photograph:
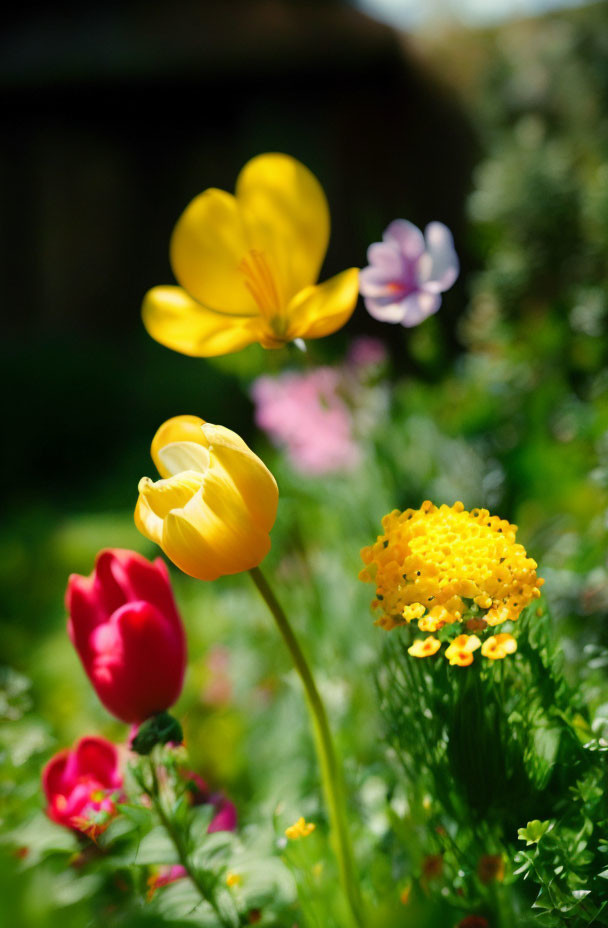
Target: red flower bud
[
  {"x": 127, "y": 631},
  {"x": 82, "y": 785}
]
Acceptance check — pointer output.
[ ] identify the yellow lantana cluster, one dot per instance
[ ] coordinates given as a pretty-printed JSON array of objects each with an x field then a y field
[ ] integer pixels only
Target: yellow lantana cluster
[{"x": 441, "y": 565}]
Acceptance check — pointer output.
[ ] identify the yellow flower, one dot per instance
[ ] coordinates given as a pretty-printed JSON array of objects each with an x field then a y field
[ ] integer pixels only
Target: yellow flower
[
  {"x": 300, "y": 829},
  {"x": 214, "y": 508},
  {"x": 453, "y": 563},
  {"x": 233, "y": 879},
  {"x": 498, "y": 646},
  {"x": 248, "y": 264},
  {"x": 460, "y": 651},
  {"x": 424, "y": 647}
]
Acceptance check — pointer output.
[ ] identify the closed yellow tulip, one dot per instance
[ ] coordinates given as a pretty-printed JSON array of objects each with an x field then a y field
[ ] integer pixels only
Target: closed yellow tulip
[
  {"x": 213, "y": 509},
  {"x": 248, "y": 264}
]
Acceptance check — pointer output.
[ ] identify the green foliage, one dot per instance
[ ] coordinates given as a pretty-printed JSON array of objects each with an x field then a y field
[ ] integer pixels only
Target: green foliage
[{"x": 472, "y": 791}]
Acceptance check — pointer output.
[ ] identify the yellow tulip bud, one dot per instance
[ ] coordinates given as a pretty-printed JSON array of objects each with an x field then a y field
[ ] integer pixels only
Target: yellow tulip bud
[{"x": 213, "y": 509}]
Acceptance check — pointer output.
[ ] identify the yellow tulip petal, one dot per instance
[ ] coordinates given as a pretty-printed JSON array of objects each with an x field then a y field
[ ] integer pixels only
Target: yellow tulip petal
[
  {"x": 176, "y": 429},
  {"x": 179, "y": 322},
  {"x": 245, "y": 471},
  {"x": 172, "y": 493},
  {"x": 287, "y": 217},
  {"x": 210, "y": 541},
  {"x": 147, "y": 522},
  {"x": 321, "y": 310},
  {"x": 207, "y": 247}
]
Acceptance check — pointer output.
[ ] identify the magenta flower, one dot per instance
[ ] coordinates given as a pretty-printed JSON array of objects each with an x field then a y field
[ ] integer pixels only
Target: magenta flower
[
  {"x": 83, "y": 784},
  {"x": 127, "y": 631},
  {"x": 305, "y": 414},
  {"x": 225, "y": 817},
  {"x": 408, "y": 271}
]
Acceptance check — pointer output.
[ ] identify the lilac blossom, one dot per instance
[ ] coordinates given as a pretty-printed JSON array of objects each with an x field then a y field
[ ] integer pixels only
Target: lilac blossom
[{"x": 408, "y": 271}]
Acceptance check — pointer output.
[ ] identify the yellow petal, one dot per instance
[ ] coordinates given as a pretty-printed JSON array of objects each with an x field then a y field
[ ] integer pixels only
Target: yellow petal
[
  {"x": 172, "y": 493},
  {"x": 212, "y": 535},
  {"x": 157, "y": 499},
  {"x": 287, "y": 217},
  {"x": 176, "y": 429},
  {"x": 245, "y": 472},
  {"x": 147, "y": 522},
  {"x": 207, "y": 247},
  {"x": 321, "y": 310},
  {"x": 179, "y": 322}
]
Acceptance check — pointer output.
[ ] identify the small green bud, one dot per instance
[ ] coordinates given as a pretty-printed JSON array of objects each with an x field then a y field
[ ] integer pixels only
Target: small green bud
[{"x": 159, "y": 729}]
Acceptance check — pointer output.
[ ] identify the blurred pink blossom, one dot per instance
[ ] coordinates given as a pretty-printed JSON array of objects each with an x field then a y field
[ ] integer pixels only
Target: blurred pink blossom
[
  {"x": 366, "y": 351},
  {"x": 304, "y": 413}
]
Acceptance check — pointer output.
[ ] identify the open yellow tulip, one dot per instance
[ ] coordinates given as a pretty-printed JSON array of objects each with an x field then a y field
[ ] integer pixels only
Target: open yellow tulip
[
  {"x": 248, "y": 266},
  {"x": 213, "y": 509}
]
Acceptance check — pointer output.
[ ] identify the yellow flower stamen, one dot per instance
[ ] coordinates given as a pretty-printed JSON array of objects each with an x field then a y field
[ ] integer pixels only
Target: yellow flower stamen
[
  {"x": 300, "y": 829},
  {"x": 261, "y": 283},
  {"x": 233, "y": 879}
]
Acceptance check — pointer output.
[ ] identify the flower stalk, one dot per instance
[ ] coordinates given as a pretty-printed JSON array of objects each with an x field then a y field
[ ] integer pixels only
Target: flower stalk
[
  {"x": 179, "y": 842},
  {"x": 333, "y": 785}
]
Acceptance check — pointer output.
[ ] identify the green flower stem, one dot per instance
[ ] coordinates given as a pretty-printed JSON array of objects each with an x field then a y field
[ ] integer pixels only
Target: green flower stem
[
  {"x": 331, "y": 773},
  {"x": 180, "y": 847}
]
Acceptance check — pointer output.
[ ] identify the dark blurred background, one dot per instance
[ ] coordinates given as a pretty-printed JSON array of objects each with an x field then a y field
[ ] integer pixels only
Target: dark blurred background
[{"x": 117, "y": 114}]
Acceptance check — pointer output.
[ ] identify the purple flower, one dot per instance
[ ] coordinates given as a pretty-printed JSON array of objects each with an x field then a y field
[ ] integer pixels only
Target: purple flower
[{"x": 408, "y": 271}]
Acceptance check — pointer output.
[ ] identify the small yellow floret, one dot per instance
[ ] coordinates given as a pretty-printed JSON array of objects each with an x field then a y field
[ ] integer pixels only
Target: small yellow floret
[
  {"x": 233, "y": 879},
  {"x": 460, "y": 651},
  {"x": 413, "y": 611},
  {"x": 424, "y": 647},
  {"x": 499, "y": 646},
  {"x": 300, "y": 829}
]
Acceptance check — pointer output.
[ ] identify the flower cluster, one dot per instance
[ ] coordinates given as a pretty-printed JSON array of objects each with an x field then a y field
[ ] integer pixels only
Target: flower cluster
[
  {"x": 304, "y": 413},
  {"x": 440, "y": 566}
]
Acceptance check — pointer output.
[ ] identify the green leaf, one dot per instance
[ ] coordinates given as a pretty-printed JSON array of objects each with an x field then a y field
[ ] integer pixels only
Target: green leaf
[{"x": 157, "y": 848}]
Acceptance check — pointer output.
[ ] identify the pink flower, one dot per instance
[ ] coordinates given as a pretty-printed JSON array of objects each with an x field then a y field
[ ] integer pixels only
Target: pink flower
[
  {"x": 127, "y": 631},
  {"x": 164, "y": 876},
  {"x": 408, "y": 271},
  {"x": 225, "y": 818},
  {"x": 82, "y": 785},
  {"x": 305, "y": 414},
  {"x": 366, "y": 351}
]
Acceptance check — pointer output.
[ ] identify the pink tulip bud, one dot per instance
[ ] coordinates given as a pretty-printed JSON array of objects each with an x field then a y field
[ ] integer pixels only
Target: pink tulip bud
[
  {"x": 82, "y": 785},
  {"x": 127, "y": 631}
]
